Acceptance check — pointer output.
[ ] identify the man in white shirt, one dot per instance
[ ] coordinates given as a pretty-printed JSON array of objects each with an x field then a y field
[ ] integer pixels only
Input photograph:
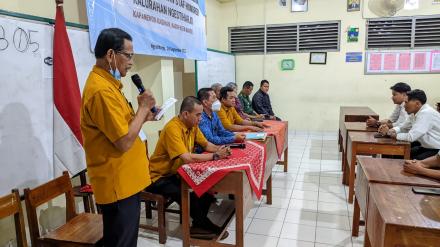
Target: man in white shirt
[
  {"x": 399, "y": 115},
  {"x": 422, "y": 128},
  {"x": 429, "y": 167}
]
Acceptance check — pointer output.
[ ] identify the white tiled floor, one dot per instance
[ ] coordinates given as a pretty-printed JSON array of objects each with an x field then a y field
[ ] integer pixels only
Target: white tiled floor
[{"x": 309, "y": 203}]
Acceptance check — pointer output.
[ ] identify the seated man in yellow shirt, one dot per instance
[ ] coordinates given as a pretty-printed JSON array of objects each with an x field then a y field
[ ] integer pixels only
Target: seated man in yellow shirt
[
  {"x": 175, "y": 148},
  {"x": 229, "y": 116}
]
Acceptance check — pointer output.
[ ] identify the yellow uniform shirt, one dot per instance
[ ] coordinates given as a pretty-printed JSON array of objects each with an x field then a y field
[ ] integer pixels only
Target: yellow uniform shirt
[
  {"x": 229, "y": 116},
  {"x": 175, "y": 139},
  {"x": 105, "y": 117}
]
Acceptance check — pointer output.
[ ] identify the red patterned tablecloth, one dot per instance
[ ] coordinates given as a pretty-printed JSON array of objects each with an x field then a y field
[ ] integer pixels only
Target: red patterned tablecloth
[
  {"x": 204, "y": 175},
  {"x": 278, "y": 130}
]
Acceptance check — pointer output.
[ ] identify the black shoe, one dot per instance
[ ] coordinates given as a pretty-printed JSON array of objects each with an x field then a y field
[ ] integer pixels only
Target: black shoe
[
  {"x": 212, "y": 227},
  {"x": 201, "y": 233},
  {"x": 225, "y": 235}
]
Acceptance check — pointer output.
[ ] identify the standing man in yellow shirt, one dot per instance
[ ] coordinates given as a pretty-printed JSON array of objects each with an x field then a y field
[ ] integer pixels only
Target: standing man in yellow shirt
[
  {"x": 117, "y": 163},
  {"x": 230, "y": 118},
  {"x": 175, "y": 148}
]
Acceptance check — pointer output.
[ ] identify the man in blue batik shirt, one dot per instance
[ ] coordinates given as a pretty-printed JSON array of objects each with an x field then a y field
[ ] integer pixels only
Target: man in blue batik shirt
[{"x": 210, "y": 124}]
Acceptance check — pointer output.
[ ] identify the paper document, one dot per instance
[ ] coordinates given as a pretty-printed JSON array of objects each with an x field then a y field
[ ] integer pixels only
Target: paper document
[
  {"x": 166, "y": 105},
  {"x": 435, "y": 61},
  {"x": 142, "y": 135}
]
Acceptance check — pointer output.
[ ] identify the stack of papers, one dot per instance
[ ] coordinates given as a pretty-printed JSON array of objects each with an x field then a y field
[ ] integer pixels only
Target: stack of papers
[{"x": 167, "y": 105}]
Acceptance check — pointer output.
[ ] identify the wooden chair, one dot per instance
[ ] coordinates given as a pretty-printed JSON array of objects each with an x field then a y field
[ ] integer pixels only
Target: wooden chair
[
  {"x": 159, "y": 201},
  {"x": 149, "y": 206},
  {"x": 83, "y": 229},
  {"x": 161, "y": 204},
  {"x": 87, "y": 197},
  {"x": 11, "y": 205}
]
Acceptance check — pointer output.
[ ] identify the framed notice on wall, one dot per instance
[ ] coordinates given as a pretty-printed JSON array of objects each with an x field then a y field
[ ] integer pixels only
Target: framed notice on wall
[{"x": 402, "y": 62}]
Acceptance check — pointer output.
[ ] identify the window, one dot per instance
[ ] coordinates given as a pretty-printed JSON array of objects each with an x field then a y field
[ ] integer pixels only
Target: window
[
  {"x": 301, "y": 37},
  {"x": 281, "y": 38},
  {"x": 322, "y": 36},
  {"x": 427, "y": 32},
  {"x": 246, "y": 39},
  {"x": 403, "y": 32}
]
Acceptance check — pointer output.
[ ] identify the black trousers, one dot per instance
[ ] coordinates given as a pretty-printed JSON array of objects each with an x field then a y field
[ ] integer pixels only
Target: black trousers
[
  {"x": 121, "y": 221},
  {"x": 421, "y": 153},
  {"x": 169, "y": 187}
]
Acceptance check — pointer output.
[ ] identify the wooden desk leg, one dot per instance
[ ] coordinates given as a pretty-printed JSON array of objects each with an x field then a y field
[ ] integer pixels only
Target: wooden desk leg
[
  {"x": 407, "y": 154},
  {"x": 286, "y": 158},
  {"x": 340, "y": 141},
  {"x": 185, "y": 214},
  {"x": 269, "y": 190},
  {"x": 352, "y": 175},
  {"x": 356, "y": 218},
  {"x": 239, "y": 214},
  {"x": 344, "y": 169},
  {"x": 284, "y": 162},
  {"x": 342, "y": 162},
  {"x": 367, "y": 242}
]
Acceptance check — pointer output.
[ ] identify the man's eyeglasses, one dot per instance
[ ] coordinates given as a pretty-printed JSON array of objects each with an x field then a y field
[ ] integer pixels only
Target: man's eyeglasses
[{"x": 129, "y": 56}]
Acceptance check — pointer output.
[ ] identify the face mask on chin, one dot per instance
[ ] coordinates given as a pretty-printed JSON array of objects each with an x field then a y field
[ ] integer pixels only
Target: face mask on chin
[
  {"x": 115, "y": 72},
  {"x": 216, "y": 106}
]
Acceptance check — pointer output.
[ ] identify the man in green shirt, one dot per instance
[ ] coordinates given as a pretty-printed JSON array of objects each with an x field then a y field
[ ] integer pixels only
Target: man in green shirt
[{"x": 246, "y": 101}]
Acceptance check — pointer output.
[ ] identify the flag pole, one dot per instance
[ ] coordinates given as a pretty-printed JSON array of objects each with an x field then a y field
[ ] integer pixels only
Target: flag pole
[{"x": 57, "y": 3}]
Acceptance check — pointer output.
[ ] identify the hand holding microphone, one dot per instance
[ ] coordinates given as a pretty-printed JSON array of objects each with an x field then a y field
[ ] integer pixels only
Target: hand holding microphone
[{"x": 145, "y": 97}]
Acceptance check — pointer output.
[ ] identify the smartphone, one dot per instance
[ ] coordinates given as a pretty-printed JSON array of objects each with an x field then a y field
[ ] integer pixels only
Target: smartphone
[
  {"x": 237, "y": 145},
  {"x": 426, "y": 190},
  {"x": 379, "y": 135}
]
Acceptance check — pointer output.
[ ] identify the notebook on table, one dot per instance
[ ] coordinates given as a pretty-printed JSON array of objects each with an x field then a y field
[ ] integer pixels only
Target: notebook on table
[{"x": 256, "y": 136}]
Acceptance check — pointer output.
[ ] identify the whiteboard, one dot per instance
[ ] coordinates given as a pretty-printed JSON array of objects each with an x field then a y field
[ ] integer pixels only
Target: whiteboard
[
  {"x": 26, "y": 100},
  {"x": 218, "y": 68}
]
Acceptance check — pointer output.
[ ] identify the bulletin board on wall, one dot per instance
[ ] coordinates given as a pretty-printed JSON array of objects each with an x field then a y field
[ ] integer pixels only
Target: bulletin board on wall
[{"x": 402, "y": 62}]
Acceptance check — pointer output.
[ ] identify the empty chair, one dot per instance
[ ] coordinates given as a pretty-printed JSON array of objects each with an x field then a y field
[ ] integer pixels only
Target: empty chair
[
  {"x": 11, "y": 205},
  {"x": 83, "y": 229}
]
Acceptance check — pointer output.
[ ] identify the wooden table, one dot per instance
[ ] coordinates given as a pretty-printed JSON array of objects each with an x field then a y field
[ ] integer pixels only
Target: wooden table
[
  {"x": 271, "y": 161},
  {"x": 353, "y": 114},
  {"x": 364, "y": 143},
  {"x": 399, "y": 217},
  {"x": 235, "y": 183},
  {"x": 347, "y": 127},
  {"x": 385, "y": 171},
  {"x": 286, "y": 149}
]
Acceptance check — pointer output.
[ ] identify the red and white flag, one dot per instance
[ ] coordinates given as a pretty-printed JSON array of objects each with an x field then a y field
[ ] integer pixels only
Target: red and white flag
[{"x": 68, "y": 150}]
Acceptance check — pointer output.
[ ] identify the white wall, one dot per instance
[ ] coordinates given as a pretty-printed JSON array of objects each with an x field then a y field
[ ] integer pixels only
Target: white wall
[{"x": 309, "y": 97}]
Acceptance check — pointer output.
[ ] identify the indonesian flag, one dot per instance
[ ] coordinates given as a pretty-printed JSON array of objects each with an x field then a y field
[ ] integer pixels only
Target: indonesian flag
[{"x": 68, "y": 150}]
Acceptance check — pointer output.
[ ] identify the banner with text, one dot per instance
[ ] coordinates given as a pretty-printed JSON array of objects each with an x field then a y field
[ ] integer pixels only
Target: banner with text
[{"x": 170, "y": 28}]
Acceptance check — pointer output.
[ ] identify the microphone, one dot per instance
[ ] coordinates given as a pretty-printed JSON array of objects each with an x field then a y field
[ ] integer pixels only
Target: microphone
[{"x": 138, "y": 83}]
